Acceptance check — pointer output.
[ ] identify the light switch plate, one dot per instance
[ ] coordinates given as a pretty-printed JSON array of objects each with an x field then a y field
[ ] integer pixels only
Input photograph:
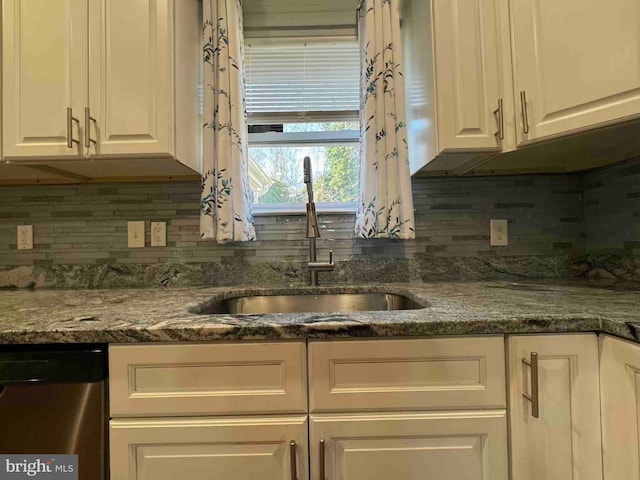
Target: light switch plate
[
  {"x": 135, "y": 234},
  {"x": 499, "y": 233},
  {"x": 25, "y": 237},
  {"x": 158, "y": 234}
]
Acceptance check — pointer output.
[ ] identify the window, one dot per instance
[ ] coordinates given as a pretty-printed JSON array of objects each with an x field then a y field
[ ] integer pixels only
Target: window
[{"x": 303, "y": 100}]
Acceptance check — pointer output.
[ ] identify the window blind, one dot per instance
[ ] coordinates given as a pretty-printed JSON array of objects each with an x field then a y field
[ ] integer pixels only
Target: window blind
[{"x": 302, "y": 81}]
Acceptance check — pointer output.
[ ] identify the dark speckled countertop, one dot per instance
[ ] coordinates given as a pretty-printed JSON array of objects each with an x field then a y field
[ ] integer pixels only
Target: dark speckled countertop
[{"x": 167, "y": 315}]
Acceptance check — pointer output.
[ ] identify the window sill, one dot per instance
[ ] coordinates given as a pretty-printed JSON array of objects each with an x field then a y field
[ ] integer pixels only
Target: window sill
[{"x": 301, "y": 209}]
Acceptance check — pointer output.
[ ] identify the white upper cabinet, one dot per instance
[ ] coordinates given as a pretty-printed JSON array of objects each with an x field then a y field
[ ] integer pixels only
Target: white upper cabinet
[
  {"x": 44, "y": 73},
  {"x": 457, "y": 99},
  {"x": 576, "y": 62},
  {"x": 620, "y": 387},
  {"x": 143, "y": 74},
  {"x": 128, "y": 70},
  {"x": 470, "y": 92},
  {"x": 486, "y": 77}
]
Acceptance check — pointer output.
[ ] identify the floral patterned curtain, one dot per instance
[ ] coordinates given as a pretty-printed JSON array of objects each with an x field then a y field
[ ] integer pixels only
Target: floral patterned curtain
[
  {"x": 385, "y": 208},
  {"x": 225, "y": 207}
]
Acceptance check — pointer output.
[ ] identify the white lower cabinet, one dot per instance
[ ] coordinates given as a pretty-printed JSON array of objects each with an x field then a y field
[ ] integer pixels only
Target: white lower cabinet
[
  {"x": 562, "y": 440},
  {"x": 380, "y": 410},
  {"x": 241, "y": 448},
  {"x": 208, "y": 379},
  {"x": 407, "y": 374},
  {"x": 223, "y": 393},
  {"x": 620, "y": 387},
  {"x": 469, "y": 445}
]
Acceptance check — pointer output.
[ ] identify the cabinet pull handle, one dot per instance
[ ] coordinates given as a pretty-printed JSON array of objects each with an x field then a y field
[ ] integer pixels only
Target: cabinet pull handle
[
  {"x": 322, "y": 475},
  {"x": 294, "y": 465},
  {"x": 70, "y": 120},
  {"x": 88, "y": 120},
  {"x": 534, "y": 398},
  {"x": 525, "y": 113},
  {"x": 499, "y": 114}
]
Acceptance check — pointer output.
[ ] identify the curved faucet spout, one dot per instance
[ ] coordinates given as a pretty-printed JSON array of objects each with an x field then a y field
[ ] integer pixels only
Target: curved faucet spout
[
  {"x": 312, "y": 219},
  {"x": 313, "y": 231}
]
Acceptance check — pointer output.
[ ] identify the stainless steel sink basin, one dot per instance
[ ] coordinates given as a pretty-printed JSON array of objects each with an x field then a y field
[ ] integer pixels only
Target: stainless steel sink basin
[{"x": 342, "y": 302}]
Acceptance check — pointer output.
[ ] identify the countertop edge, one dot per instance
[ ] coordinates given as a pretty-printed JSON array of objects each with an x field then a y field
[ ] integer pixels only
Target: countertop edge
[{"x": 320, "y": 330}]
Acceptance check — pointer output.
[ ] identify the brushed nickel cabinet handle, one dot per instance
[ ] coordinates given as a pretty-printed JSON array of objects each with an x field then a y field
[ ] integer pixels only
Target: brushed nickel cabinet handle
[
  {"x": 70, "y": 120},
  {"x": 88, "y": 120},
  {"x": 525, "y": 113},
  {"x": 534, "y": 397},
  {"x": 294, "y": 462},
  {"x": 322, "y": 473},
  {"x": 499, "y": 114}
]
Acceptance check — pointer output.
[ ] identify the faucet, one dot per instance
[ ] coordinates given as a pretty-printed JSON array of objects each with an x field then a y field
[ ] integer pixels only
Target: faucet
[{"x": 313, "y": 232}]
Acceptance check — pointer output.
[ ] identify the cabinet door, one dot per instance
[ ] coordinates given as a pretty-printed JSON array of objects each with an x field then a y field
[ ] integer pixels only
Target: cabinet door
[
  {"x": 130, "y": 66},
  {"x": 204, "y": 448},
  {"x": 620, "y": 389},
  {"x": 564, "y": 442},
  {"x": 469, "y": 445},
  {"x": 44, "y": 72},
  {"x": 578, "y": 62},
  {"x": 469, "y": 82}
]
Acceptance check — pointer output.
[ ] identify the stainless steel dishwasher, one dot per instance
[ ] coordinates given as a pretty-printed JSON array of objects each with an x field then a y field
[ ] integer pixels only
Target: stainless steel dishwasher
[{"x": 53, "y": 401}]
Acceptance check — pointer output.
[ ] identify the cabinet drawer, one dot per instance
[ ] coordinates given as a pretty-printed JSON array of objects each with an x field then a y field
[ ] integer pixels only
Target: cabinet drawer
[
  {"x": 442, "y": 373},
  {"x": 206, "y": 379}
]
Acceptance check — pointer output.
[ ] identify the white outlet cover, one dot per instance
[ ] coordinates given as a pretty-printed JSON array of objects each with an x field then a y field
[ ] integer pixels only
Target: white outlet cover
[
  {"x": 135, "y": 234},
  {"x": 499, "y": 233},
  {"x": 158, "y": 234},
  {"x": 25, "y": 237}
]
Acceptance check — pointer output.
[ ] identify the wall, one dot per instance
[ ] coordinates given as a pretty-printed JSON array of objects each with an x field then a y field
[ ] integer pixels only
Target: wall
[
  {"x": 612, "y": 209},
  {"x": 80, "y": 236},
  {"x": 612, "y": 219}
]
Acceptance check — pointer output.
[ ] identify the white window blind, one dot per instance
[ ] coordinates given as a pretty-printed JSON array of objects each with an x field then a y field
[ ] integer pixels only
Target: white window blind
[{"x": 302, "y": 81}]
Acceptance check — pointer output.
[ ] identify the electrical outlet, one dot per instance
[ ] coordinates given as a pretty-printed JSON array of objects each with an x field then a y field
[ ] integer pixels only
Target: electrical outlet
[
  {"x": 158, "y": 234},
  {"x": 135, "y": 233},
  {"x": 25, "y": 237},
  {"x": 499, "y": 233}
]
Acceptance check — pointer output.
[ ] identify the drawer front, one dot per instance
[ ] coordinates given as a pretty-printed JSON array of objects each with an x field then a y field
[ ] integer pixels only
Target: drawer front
[
  {"x": 207, "y": 379},
  {"x": 407, "y": 374}
]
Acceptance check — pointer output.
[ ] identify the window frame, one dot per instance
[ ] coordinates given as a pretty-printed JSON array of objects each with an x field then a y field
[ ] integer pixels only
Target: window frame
[{"x": 303, "y": 139}]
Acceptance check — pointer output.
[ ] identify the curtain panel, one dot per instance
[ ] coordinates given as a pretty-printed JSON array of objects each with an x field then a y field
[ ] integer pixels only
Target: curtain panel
[
  {"x": 225, "y": 207},
  {"x": 385, "y": 207}
]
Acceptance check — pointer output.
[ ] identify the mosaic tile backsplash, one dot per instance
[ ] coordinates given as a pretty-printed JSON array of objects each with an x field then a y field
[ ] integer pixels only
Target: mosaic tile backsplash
[
  {"x": 559, "y": 226},
  {"x": 612, "y": 209}
]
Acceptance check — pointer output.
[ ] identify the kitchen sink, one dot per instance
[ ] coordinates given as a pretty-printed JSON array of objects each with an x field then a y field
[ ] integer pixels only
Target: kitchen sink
[{"x": 341, "y": 302}]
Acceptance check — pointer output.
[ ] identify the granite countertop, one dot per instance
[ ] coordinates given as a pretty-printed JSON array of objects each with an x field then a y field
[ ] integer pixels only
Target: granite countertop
[{"x": 167, "y": 314}]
